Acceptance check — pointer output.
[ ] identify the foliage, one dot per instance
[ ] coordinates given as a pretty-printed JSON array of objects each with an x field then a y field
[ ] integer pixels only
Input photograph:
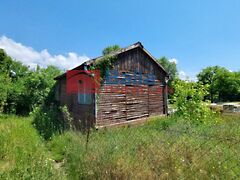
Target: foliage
[
  {"x": 104, "y": 64},
  {"x": 224, "y": 85},
  {"x": 110, "y": 49},
  {"x": 23, "y": 154},
  {"x": 23, "y": 89},
  {"x": 39, "y": 84},
  {"x": 163, "y": 148},
  {"x": 170, "y": 67},
  {"x": 189, "y": 102},
  {"x": 67, "y": 118},
  {"x": 50, "y": 120},
  {"x": 5, "y": 62},
  {"x": 4, "y": 86}
]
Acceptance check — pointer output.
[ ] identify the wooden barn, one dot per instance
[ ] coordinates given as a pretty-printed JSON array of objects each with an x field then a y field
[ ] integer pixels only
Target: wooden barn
[{"x": 142, "y": 91}]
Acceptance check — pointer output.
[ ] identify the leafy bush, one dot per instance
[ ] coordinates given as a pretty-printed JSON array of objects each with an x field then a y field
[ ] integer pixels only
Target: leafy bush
[
  {"x": 189, "y": 102},
  {"x": 50, "y": 120},
  {"x": 23, "y": 89}
]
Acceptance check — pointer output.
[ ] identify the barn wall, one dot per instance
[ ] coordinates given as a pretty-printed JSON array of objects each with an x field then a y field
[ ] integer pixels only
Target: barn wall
[
  {"x": 117, "y": 103},
  {"x": 79, "y": 112},
  {"x": 156, "y": 100},
  {"x": 125, "y": 102},
  {"x": 137, "y": 61},
  {"x": 111, "y": 105}
]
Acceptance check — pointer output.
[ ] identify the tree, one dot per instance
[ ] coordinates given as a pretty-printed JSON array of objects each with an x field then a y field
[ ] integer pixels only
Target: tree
[
  {"x": 5, "y": 72},
  {"x": 110, "y": 49},
  {"x": 22, "y": 89},
  {"x": 223, "y": 84},
  {"x": 38, "y": 84},
  {"x": 4, "y": 85},
  {"x": 5, "y": 62},
  {"x": 208, "y": 76},
  {"x": 228, "y": 86},
  {"x": 170, "y": 67}
]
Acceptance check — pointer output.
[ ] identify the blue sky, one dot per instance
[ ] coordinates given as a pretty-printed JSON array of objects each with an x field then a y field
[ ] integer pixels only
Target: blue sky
[{"x": 198, "y": 33}]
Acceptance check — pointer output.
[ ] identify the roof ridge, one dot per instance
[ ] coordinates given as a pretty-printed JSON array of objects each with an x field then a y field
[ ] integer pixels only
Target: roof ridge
[
  {"x": 133, "y": 46},
  {"x": 122, "y": 50}
]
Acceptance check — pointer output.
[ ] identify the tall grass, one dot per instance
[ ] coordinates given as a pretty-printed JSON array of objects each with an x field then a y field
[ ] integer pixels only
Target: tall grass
[
  {"x": 22, "y": 151},
  {"x": 164, "y": 148}
]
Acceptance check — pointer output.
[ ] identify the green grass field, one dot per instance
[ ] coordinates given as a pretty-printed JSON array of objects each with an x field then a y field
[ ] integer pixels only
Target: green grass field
[{"x": 164, "y": 148}]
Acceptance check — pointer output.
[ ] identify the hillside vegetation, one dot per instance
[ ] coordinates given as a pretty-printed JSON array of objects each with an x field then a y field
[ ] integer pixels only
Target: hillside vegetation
[{"x": 162, "y": 148}]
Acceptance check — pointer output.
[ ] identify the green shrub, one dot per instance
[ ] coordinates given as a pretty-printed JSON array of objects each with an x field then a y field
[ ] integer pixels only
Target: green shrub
[
  {"x": 51, "y": 120},
  {"x": 23, "y": 89},
  {"x": 189, "y": 102}
]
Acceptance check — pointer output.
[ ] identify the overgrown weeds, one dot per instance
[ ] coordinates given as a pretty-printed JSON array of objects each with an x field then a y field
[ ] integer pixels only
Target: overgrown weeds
[
  {"x": 23, "y": 154},
  {"x": 51, "y": 120},
  {"x": 163, "y": 148}
]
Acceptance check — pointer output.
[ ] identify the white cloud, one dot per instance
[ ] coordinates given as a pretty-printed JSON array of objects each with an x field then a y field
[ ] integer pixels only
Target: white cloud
[
  {"x": 174, "y": 60},
  {"x": 183, "y": 75},
  {"x": 32, "y": 58}
]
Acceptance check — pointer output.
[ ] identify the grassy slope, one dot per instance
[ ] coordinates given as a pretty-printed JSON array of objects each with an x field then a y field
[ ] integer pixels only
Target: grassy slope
[
  {"x": 160, "y": 149},
  {"x": 23, "y": 154}
]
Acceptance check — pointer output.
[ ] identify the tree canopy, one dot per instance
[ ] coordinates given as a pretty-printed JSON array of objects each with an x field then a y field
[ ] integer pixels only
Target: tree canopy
[
  {"x": 22, "y": 89},
  {"x": 170, "y": 67},
  {"x": 224, "y": 85},
  {"x": 110, "y": 49}
]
